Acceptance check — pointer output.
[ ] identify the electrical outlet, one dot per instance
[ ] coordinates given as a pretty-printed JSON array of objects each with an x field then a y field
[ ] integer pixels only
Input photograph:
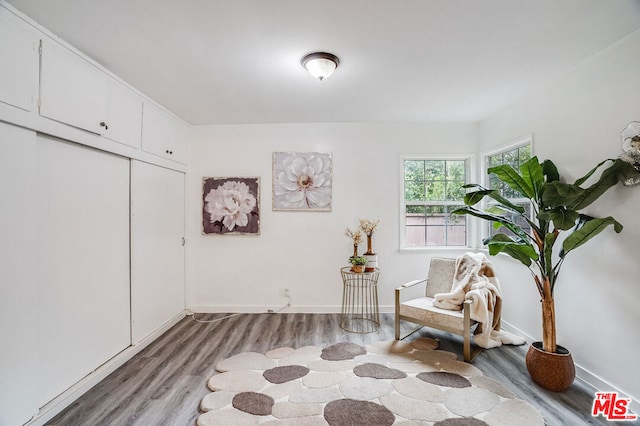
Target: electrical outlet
[{"x": 286, "y": 292}]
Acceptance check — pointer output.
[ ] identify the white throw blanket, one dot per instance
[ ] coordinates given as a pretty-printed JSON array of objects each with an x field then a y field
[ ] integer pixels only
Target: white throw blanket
[{"x": 475, "y": 279}]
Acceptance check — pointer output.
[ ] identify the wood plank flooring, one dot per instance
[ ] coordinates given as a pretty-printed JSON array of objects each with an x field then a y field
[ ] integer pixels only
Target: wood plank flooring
[{"x": 164, "y": 383}]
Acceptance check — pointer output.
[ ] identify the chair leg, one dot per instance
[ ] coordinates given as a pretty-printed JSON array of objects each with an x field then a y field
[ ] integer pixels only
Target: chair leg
[
  {"x": 467, "y": 345},
  {"x": 397, "y": 311}
]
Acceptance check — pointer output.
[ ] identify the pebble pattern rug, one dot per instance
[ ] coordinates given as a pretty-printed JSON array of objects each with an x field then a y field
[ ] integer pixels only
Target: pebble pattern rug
[{"x": 384, "y": 383}]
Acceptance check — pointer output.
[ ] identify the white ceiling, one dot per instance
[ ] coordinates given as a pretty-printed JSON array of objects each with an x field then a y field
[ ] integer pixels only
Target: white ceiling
[{"x": 238, "y": 61}]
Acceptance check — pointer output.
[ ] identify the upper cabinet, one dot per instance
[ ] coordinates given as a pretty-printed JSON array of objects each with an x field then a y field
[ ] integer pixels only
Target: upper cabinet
[
  {"x": 124, "y": 115},
  {"x": 163, "y": 134},
  {"x": 72, "y": 90},
  {"x": 75, "y": 92},
  {"x": 49, "y": 83},
  {"x": 19, "y": 57}
]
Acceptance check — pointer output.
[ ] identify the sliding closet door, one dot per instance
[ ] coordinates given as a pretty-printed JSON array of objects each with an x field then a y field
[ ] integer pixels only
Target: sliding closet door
[
  {"x": 18, "y": 213},
  {"x": 157, "y": 247},
  {"x": 82, "y": 261}
]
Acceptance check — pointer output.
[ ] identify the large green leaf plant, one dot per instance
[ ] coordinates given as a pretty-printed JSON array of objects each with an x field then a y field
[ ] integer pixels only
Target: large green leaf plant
[{"x": 555, "y": 210}]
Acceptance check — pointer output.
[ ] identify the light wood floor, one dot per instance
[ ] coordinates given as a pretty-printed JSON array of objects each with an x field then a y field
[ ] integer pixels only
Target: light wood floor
[{"x": 163, "y": 384}]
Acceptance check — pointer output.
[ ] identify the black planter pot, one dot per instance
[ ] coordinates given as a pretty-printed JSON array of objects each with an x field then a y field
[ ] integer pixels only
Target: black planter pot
[{"x": 553, "y": 371}]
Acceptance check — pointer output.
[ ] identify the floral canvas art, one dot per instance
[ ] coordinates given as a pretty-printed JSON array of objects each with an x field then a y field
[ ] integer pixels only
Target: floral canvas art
[
  {"x": 231, "y": 205},
  {"x": 302, "y": 181}
]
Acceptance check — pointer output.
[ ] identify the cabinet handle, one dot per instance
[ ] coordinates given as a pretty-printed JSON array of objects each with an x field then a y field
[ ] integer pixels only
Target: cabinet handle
[{"x": 103, "y": 124}]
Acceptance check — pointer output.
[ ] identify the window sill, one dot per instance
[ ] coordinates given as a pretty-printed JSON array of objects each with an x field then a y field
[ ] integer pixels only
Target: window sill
[{"x": 430, "y": 249}]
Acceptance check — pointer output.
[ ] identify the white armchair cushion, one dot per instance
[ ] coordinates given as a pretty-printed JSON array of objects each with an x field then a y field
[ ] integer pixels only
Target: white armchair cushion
[
  {"x": 440, "y": 276},
  {"x": 422, "y": 309}
]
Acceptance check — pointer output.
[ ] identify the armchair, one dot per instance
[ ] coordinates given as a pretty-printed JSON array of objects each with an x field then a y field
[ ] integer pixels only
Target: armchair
[{"x": 422, "y": 311}]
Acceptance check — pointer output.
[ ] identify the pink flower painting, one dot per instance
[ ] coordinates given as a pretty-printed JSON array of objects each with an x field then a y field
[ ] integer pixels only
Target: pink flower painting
[
  {"x": 301, "y": 181},
  {"x": 230, "y": 206}
]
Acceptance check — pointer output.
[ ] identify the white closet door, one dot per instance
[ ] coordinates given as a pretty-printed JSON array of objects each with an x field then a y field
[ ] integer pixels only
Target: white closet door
[
  {"x": 19, "y": 211},
  {"x": 82, "y": 261},
  {"x": 157, "y": 251}
]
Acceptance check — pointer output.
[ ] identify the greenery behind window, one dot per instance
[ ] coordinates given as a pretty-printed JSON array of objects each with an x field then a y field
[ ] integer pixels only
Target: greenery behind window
[{"x": 432, "y": 189}]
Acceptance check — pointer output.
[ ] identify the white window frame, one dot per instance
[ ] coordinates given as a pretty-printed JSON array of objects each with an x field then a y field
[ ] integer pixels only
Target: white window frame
[
  {"x": 470, "y": 161},
  {"x": 518, "y": 143}
]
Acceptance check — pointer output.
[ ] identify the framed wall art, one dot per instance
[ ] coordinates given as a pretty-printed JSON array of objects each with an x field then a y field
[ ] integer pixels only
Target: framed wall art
[
  {"x": 302, "y": 181},
  {"x": 231, "y": 205}
]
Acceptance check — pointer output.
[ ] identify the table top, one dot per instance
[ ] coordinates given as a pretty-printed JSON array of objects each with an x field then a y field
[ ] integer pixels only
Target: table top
[{"x": 347, "y": 270}]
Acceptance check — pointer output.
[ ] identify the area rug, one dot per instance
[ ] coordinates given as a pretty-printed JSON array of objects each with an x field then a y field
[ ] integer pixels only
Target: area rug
[{"x": 384, "y": 383}]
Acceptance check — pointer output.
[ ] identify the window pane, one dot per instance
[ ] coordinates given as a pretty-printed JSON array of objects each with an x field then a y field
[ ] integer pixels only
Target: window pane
[
  {"x": 455, "y": 170},
  {"x": 495, "y": 160},
  {"x": 415, "y": 236},
  {"x": 414, "y": 191},
  {"x": 524, "y": 153},
  {"x": 415, "y": 221},
  {"x": 511, "y": 158},
  {"x": 415, "y": 209},
  {"x": 415, "y": 216},
  {"x": 434, "y": 170},
  {"x": 457, "y": 236},
  {"x": 414, "y": 170},
  {"x": 435, "y": 191},
  {"x": 455, "y": 191},
  {"x": 435, "y": 236}
]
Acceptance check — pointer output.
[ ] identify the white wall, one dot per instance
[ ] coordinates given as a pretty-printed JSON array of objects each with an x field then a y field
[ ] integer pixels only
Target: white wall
[
  {"x": 576, "y": 122},
  {"x": 303, "y": 251}
]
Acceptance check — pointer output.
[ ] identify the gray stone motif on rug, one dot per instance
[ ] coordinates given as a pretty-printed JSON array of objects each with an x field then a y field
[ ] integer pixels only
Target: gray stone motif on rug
[
  {"x": 342, "y": 351},
  {"x": 384, "y": 383}
]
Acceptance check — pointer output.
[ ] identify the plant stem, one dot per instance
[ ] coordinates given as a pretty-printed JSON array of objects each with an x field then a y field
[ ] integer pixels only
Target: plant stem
[{"x": 548, "y": 319}]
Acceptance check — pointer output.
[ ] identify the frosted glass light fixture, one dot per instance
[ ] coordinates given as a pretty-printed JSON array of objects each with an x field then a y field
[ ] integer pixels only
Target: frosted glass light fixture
[{"x": 320, "y": 64}]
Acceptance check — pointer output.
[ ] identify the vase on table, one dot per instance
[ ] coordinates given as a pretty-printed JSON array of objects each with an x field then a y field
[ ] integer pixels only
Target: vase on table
[{"x": 372, "y": 258}]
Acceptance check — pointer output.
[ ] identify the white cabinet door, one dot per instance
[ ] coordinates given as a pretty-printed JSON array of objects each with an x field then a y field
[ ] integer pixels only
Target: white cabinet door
[
  {"x": 19, "y": 62},
  {"x": 123, "y": 115},
  {"x": 72, "y": 90},
  {"x": 163, "y": 135},
  {"x": 157, "y": 247},
  {"x": 19, "y": 210},
  {"x": 83, "y": 305}
]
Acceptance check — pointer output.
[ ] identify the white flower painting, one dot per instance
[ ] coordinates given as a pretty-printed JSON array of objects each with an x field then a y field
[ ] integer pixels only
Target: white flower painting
[
  {"x": 302, "y": 181},
  {"x": 230, "y": 206}
]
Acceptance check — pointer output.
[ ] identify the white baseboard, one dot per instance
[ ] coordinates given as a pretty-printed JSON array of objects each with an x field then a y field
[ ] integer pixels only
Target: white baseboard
[
  {"x": 294, "y": 309},
  {"x": 66, "y": 398},
  {"x": 583, "y": 374}
]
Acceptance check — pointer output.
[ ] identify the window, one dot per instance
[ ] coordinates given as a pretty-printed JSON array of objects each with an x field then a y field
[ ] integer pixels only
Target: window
[
  {"x": 514, "y": 155},
  {"x": 432, "y": 189}
]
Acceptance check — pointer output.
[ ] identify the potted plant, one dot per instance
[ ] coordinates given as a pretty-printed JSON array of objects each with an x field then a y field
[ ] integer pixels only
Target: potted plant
[
  {"x": 358, "y": 263},
  {"x": 556, "y": 209}
]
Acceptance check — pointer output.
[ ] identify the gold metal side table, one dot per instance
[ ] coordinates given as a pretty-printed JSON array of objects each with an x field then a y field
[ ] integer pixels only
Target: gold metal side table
[{"x": 360, "y": 312}]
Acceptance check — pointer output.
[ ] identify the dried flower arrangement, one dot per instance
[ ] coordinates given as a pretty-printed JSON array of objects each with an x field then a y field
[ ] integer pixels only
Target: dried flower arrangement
[
  {"x": 356, "y": 237},
  {"x": 369, "y": 226}
]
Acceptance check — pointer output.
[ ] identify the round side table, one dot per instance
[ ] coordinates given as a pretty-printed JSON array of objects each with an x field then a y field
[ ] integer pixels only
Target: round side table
[{"x": 360, "y": 312}]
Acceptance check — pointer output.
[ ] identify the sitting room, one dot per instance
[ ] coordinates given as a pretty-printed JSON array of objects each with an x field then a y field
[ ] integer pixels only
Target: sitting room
[{"x": 302, "y": 213}]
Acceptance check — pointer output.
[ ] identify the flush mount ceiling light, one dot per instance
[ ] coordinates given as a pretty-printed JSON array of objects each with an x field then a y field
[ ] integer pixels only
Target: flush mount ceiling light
[{"x": 320, "y": 64}]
